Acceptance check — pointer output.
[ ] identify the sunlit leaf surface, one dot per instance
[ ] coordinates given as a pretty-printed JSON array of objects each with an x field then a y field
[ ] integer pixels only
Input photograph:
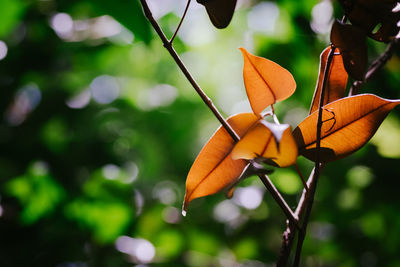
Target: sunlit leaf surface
[
  {"x": 336, "y": 80},
  {"x": 348, "y": 124},
  {"x": 272, "y": 142},
  {"x": 214, "y": 168},
  {"x": 266, "y": 82}
]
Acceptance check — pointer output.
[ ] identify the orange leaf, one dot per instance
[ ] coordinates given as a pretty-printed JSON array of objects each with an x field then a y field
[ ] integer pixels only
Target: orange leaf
[
  {"x": 270, "y": 141},
  {"x": 219, "y": 11},
  {"x": 348, "y": 124},
  {"x": 336, "y": 83},
  {"x": 266, "y": 82},
  {"x": 214, "y": 169}
]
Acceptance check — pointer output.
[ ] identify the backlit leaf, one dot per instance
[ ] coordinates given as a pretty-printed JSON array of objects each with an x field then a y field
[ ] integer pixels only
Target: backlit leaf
[
  {"x": 348, "y": 124},
  {"x": 352, "y": 44},
  {"x": 273, "y": 142},
  {"x": 336, "y": 83},
  {"x": 266, "y": 82},
  {"x": 219, "y": 11},
  {"x": 214, "y": 168}
]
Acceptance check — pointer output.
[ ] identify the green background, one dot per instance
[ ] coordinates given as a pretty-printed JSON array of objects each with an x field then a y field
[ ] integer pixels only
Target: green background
[{"x": 99, "y": 129}]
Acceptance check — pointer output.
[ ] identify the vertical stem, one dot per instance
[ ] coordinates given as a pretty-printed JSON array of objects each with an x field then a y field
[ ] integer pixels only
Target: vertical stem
[
  {"x": 290, "y": 232},
  {"x": 317, "y": 167}
]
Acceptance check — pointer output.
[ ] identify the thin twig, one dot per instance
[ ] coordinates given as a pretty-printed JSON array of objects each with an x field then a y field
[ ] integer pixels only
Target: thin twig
[
  {"x": 279, "y": 199},
  {"x": 168, "y": 45},
  {"x": 185, "y": 71},
  {"x": 317, "y": 168},
  {"x": 290, "y": 232},
  {"x": 180, "y": 23},
  {"x": 301, "y": 176},
  {"x": 375, "y": 66}
]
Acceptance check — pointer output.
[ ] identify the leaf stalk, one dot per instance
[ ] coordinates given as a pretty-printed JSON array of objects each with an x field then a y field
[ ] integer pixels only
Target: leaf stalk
[{"x": 169, "y": 46}]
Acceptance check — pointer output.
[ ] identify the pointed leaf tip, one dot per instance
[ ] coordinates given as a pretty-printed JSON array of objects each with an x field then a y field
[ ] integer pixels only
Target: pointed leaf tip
[
  {"x": 336, "y": 79},
  {"x": 348, "y": 124},
  {"x": 214, "y": 169},
  {"x": 266, "y": 82}
]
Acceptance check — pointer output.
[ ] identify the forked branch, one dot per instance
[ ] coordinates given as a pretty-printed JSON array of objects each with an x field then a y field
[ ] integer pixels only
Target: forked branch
[
  {"x": 169, "y": 46},
  {"x": 376, "y": 66},
  {"x": 307, "y": 198}
]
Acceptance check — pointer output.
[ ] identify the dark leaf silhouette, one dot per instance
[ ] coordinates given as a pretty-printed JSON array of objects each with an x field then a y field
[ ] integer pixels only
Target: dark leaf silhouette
[
  {"x": 336, "y": 80},
  {"x": 348, "y": 124},
  {"x": 351, "y": 42},
  {"x": 219, "y": 11},
  {"x": 374, "y": 16},
  {"x": 214, "y": 168}
]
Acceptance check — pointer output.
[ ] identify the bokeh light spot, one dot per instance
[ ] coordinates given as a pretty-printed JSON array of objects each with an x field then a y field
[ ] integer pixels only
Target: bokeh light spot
[
  {"x": 263, "y": 17},
  {"x": 62, "y": 24},
  {"x": 141, "y": 250},
  {"x": 158, "y": 96},
  {"x": 165, "y": 191},
  {"x": 322, "y": 17},
  {"x": 248, "y": 197},
  {"x": 226, "y": 211},
  {"x": 360, "y": 176},
  {"x": 25, "y": 101},
  {"x": 111, "y": 171},
  {"x": 171, "y": 215},
  {"x": 79, "y": 101},
  {"x": 287, "y": 181},
  {"x": 3, "y": 50},
  {"x": 105, "y": 89},
  {"x": 386, "y": 138}
]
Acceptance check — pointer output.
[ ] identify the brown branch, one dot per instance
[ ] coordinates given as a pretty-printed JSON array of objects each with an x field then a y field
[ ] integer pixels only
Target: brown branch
[
  {"x": 279, "y": 200},
  {"x": 290, "y": 232},
  {"x": 375, "y": 66},
  {"x": 185, "y": 71},
  {"x": 307, "y": 198},
  {"x": 180, "y": 23},
  {"x": 168, "y": 45},
  {"x": 317, "y": 168},
  {"x": 301, "y": 176}
]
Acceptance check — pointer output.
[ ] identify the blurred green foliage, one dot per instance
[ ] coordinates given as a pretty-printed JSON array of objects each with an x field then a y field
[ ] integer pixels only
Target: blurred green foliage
[{"x": 99, "y": 129}]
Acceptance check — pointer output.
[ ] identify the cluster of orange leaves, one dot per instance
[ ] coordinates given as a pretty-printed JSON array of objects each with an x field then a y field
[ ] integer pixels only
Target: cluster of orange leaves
[{"x": 348, "y": 124}]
